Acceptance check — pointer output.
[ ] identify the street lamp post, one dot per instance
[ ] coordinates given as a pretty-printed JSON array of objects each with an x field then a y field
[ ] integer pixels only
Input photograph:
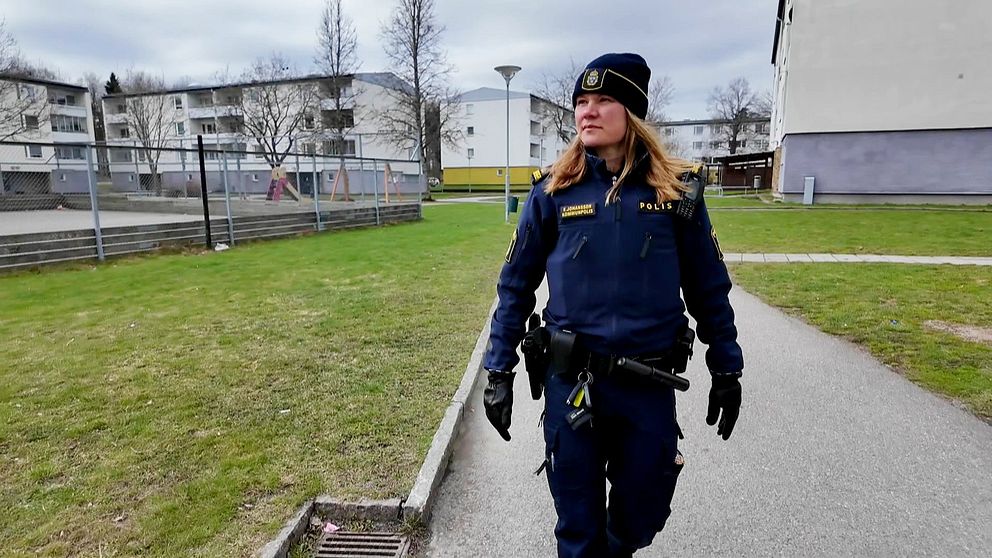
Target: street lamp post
[{"x": 507, "y": 72}]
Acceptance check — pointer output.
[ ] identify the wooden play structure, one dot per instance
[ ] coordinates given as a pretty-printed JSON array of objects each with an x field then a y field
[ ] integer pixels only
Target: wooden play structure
[
  {"x": 341, "y": 177},
  {"x": 278, "y": 183}
]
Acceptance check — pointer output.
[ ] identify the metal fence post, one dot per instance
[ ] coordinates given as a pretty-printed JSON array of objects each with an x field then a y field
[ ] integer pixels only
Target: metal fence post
[
  {"x": 375, "y": 189},
  {"x": 94, "y": 204},
  {"x": 227, "y": 203},
  {"x": 137, "y": 172},
  {"x": 203, "y": 190},
  {"x": 361, "y": 159},
  {"x": 3, "y": 188},
  {"x": 316, "y": 192},
  {"x": 422, "y": 190},
  {"x": 241, "y": 178}
]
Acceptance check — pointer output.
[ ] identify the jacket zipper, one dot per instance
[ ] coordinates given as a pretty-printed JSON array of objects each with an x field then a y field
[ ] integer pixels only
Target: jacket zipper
[
  {"x": 647, "y": 243},
  {"x": 579, "y": 248}
]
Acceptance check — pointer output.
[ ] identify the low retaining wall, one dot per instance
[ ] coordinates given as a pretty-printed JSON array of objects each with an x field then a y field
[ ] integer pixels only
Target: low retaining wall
[{"x": 32, "y": 250}]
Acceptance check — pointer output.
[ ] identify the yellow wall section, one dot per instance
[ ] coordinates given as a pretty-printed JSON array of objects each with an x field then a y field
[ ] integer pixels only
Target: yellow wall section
[{"x": 462, "y": 176}]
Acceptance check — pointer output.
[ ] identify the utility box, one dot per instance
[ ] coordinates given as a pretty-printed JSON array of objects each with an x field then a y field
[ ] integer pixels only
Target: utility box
[{"x": 808, "y": 190}]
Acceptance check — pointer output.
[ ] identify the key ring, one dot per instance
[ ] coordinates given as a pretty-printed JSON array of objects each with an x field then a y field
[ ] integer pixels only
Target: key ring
[{"x": 588, "y": 377}]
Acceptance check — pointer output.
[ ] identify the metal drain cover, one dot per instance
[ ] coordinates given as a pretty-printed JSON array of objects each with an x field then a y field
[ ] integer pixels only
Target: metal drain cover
[{"x": 343, "y": 544}]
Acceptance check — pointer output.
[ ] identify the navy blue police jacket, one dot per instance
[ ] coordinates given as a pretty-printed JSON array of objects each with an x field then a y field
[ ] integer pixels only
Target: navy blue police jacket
[{"x": 614, "y": 273}]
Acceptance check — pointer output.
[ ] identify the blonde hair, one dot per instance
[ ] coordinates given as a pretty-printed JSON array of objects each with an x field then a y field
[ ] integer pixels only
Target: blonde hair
[{"x": 662, "y": 174}]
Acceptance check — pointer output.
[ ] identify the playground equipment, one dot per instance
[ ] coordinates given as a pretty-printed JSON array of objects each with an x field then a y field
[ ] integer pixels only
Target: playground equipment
[{"x": 278, "y": 183}]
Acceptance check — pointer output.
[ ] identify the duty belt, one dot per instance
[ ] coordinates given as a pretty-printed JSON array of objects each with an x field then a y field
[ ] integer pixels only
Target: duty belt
[{"x": 569, "y": 357}]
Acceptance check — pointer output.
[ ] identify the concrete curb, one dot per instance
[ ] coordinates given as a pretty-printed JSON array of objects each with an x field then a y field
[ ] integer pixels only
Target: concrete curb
[
  {"x": 290, "y": 534},
  {"x": 421, "y": 499}
]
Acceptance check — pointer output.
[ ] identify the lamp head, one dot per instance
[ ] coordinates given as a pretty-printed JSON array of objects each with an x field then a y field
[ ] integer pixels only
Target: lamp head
[{"x": 507, "y": 72}]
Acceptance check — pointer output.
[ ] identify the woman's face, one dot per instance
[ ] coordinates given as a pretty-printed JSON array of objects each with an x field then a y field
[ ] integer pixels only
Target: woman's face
[{"x": 600, "y": 119}]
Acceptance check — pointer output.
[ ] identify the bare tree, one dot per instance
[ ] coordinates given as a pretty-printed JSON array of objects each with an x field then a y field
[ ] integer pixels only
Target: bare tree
[
  {"x": 736, "y": 106},
  {"x": 660, "y": 94},
  {"x": 556, "y": 89},
  {"x": 274, "y": 106},
  {"x": 412, "y": 41},
  {"x": 337, "y": 58},
  {"x": 23, "y": 106},
  {"x": 149, "y": 119}
]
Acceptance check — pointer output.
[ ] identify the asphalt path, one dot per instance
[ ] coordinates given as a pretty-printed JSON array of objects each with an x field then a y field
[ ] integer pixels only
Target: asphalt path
[{"x": 834, "y": 455}]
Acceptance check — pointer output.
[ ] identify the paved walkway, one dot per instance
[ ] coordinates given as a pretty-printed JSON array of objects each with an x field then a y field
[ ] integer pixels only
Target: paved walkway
[
  {"x": 855, "y": 258},
  {"x": 834, "y": 455}
]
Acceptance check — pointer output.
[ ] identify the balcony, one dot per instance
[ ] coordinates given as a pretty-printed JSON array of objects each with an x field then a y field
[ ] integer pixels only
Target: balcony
[
  {"x": 70, "y": 110},
  {"x": 115, "y": 118},
  {"x": 214, "y": 112}
]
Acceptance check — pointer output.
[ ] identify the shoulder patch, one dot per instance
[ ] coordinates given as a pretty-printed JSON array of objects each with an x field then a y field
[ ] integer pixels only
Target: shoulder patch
[{"x": 539, "y": 175}]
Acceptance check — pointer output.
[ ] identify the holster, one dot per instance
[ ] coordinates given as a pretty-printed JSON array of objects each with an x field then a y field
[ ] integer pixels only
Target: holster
[{"x": 536, "y": 356}]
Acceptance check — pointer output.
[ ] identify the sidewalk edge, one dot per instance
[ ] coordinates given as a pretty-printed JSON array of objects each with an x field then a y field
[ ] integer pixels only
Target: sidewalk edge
[{"x": 418, "y": 504}]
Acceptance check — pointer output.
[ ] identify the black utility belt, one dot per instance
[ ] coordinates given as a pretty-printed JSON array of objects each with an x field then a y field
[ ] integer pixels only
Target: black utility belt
[{"x": 568, "y": 357}]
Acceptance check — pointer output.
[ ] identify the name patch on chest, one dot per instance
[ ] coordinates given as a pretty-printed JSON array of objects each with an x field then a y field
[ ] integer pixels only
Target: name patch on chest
[
  {"x": 580, "y": 210},
  {"x": 655, "y": 207}
]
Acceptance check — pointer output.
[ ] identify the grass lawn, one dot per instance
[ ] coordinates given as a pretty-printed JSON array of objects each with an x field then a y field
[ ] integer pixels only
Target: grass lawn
[
  {"x": 181, "y": 405},
  {"x": 884, "y": 307},
  {"x": 868, "y": 231}
]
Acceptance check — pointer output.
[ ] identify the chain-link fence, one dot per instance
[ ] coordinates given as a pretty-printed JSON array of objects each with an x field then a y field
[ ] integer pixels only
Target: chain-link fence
[{"x": 63, "y": 202}]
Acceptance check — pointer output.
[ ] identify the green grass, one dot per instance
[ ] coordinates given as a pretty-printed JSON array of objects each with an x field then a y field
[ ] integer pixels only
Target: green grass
[
  {"x": 185, "y": 405},
  {"x": 868, "y": 231},
  {"x": 884, "y": 306}
]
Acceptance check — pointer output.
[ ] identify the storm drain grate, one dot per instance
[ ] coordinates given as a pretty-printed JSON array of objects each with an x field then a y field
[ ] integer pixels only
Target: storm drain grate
[{"x": 361, "y": 545}]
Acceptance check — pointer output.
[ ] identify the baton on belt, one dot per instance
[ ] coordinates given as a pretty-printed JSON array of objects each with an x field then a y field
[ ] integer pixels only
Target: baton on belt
[{"x": 641, "y": 369}]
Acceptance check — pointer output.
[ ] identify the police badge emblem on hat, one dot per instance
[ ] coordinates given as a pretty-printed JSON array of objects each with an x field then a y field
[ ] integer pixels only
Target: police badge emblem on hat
[{"x": 591, "y": 80}]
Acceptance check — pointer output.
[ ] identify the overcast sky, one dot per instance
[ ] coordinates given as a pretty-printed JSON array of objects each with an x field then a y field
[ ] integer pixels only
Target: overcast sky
[{"x": 699, "y": 44}]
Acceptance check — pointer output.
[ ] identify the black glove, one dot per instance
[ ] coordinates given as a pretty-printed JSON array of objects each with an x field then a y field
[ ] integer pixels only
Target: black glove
[
  {"x": 724, "y": 395},
  {"x": 498, "y": 400}
]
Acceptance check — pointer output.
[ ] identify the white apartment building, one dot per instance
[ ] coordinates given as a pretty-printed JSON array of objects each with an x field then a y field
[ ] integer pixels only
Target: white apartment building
[
  {"x": 55, "y": 120},
  {"x": 217, "y": 114},
  {"x": 481, "y": 157},
  {"x": 883, "y": 101},
  {"x": 702, "y": 140}
]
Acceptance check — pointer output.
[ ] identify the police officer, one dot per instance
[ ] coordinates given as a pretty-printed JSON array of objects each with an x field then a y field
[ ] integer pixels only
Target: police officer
[{"x": 615, "y": 230}]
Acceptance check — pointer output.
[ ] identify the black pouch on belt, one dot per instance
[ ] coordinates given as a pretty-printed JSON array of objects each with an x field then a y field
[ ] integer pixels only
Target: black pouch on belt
[{"x": 562, "y": 345}]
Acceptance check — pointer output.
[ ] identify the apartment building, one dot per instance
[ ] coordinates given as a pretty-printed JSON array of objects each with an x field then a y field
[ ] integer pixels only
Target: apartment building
[
  {"x": 481, "y": 158},
  {"x": 883, "y": 101},
  {"x": 219, "y": 113},
  {"x": 702, "y": 140},
  {"x": 55, "y": 120}
]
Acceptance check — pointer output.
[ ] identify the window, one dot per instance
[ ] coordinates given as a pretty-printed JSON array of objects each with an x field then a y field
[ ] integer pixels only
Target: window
[
  {"x": 715, "y": 145},
  {"x": 120, "y": 155},
  {"x": 26, "y": 91},
  {"x": 180, "y": 128},
  {"x": 62, "y": 177},
  {"x": 177, "y": 102},
  {"x": 339, "y": 119},
  {"x": 535, "y": 128},
  {"x": 715, "y": 128},
  {"x": 130, "y": 178},
  {"x": 470, "y": 109},
  {"x": 698, "y": 130},
  {"x": 535, "y": 150},
  {"x": 742, "y": 143},
  {"x": 471, "y": 152},
  {"x": 69, "y": 152},
  {"x": 669, "y": 132},
  {"x": 125, "y": 133},
  {"x": 309, "y": 123},
  {"x": 470, "y": 131},
  {"x": 499, "y": 172},
  {"x": 141, "y": 155},
  {"x": 761, "y": 128},
  {"x": 62, "y": 99},
  {"x": 259, "y": 152},
  {"x": 208, "y": 128},
  {"x": 334, "y": 148},
  {"x": 697, "y": 145},
  {"x": 254, "y": 177},
  {"x": 122, "y": 109},
  {"x": 33, "y": 151},
  {"x": 189, "y": 177},
  {"x": 309, "y": 149},
  {"x": 30, "y": 122},
  {"x": 71, "y": 124}
]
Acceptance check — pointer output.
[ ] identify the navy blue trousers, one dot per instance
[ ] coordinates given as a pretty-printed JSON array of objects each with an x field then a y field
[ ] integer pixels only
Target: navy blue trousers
[{"x": 632, "y": 442}]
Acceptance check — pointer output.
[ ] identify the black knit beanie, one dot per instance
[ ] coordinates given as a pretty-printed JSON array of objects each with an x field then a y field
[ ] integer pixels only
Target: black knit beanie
[{"x": 623, "y": 76}]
